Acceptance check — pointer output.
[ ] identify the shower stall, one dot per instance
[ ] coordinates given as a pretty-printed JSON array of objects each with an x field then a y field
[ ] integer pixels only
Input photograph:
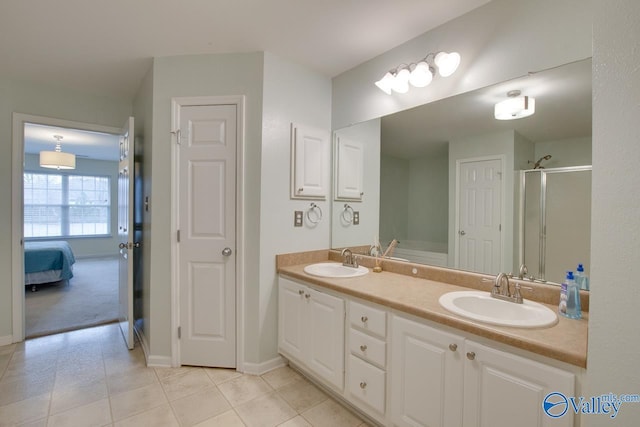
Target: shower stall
[{"x": 555, "y": 221}]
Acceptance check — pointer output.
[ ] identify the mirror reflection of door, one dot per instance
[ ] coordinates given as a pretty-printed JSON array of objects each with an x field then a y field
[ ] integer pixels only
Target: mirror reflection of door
[{"x": 480, "y": 207}]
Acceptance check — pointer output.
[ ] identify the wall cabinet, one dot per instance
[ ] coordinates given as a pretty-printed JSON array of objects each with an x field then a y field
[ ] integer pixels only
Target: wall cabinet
[
  {"x": 442, "y": 379},
  {"x": 309, "y": 162},
  {"x": 349, "y": 169},
  {"x": 311, "y": 330}
]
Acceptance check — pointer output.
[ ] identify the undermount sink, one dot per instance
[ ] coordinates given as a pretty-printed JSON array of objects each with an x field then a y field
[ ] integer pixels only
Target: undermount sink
[
  {"x": 335, "y": 270},
  {"x": 481, "y": 306}
]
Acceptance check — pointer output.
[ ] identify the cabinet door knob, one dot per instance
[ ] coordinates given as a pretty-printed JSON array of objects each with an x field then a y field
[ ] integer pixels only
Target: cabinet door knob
[
  {"x": 471, "y": 355},
  {"x": 301, "y": 292},
  {"x": 453, "y": 347},
  {"x": 363, "y": 385},
  {"x": 364, "y": 319},
  {"x": 363, "y": 347},
  {"x": 307, "y": 296}
]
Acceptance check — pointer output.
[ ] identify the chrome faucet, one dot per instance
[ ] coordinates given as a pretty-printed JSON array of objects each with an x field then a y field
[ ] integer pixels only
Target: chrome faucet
[
  {"x": 503, "y": 292},
  {"x": 522, "y": 274},
  {"x": 348, "y": 260}
]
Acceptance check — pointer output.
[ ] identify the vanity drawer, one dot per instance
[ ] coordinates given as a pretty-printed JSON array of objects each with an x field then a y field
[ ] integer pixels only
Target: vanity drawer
[
  {"x": 368, "y": 347},
  {"x": 368, "y": 318},
  {"x": 367, "y": 383}
]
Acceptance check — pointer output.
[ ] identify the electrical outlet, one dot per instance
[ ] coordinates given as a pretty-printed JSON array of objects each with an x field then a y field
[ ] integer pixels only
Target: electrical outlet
[
  {"x": 297, "y": 218},
  {"x": 356, "y": 217}
]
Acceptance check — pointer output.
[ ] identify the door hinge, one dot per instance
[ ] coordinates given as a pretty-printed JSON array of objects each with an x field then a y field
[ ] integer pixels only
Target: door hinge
[
  {"x": 499, "y": 227},
  {"x": 178, "y": 235},
  {"x": 179, "y": 332},
  {"x": 178, "y": 136}
]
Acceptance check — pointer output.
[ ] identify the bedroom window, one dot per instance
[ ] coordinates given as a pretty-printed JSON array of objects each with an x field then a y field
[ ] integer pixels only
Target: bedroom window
[{"x": 59, "y": 205}]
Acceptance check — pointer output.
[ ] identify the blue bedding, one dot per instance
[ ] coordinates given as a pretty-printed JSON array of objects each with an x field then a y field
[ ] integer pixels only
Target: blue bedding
[{"x": 52, "y": 255}]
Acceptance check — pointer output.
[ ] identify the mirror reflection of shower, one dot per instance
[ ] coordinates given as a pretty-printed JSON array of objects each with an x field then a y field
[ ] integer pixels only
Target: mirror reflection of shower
[
  {"x": 538, "y": 164},
  {"x": 555, "y": 221}
]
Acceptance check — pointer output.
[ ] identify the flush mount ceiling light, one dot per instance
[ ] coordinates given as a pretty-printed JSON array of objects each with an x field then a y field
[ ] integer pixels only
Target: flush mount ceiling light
[
  {"x": 419, "y": 74},
  {"x": 57, "y": 159},
  {"x": 515, "y": 107}
]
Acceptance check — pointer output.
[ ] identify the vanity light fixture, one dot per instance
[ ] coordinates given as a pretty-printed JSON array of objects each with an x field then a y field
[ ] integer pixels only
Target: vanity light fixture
[
  {"x": 515, "y": 107},
  {"x": 57, "y": 159},
  {"x": 419, "y": 74}
]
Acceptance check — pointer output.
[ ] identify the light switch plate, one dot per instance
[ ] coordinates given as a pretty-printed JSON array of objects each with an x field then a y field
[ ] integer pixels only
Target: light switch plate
[
  {"x": 356, "y": 217},
  {"x": 297, "y": 218}
]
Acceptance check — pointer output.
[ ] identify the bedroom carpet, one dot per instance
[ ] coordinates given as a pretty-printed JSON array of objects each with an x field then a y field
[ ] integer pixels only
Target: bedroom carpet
[{"x": 90, "y": 298}]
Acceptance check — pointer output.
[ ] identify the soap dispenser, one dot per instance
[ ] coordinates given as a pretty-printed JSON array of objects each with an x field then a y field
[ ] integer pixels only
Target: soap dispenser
[{"x": 570, "y": 298}]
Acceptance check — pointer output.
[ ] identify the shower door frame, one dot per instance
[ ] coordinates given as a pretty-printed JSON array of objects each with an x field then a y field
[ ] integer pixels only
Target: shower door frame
[{"x": 543, "y": 212}]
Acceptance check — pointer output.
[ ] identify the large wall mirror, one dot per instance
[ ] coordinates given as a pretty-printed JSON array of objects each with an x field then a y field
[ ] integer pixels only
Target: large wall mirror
[{"x": 446, "y": 179}]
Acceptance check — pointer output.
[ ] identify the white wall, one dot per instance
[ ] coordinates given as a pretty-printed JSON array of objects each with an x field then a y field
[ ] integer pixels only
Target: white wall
[
  {"x": 201, "y": 75},
  {"x": 499, "y": 41},
  {"x": 565, "y": 152},
  {"x": 47, "y": 101},
  {"x": 347, "y": 234},
  {"x": 614, "y": 335},
  {"x": 291, "y": 94},
  {"x": 394, "y": 192},
  {"x": 90, "y": 246}
]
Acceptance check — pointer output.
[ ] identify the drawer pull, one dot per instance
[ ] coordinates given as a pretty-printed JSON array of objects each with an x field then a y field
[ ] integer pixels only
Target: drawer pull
[
  {"x": 453, "y": 347},
  {"x": 307, "y": 296},
  {"x": 363, "y": 385},
  {"x": 363, "y": 348},
  {"x": 471, "y": 355},
  {"x": 301, "y": 292},
  {"x": 364, "y": 319}
]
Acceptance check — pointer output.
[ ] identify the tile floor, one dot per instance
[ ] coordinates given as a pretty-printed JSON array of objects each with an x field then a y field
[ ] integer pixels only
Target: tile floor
[{"x": 88, "y": 378}]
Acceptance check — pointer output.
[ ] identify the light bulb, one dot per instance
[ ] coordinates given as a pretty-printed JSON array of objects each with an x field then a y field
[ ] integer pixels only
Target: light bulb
[
  {"x": 516, "y": 107},
  {"x": 421, "y": 75},
  {"x": 401, "y": 81},
  {"x": 385, "y": 83},
  {"x": 447, "y": 63}
]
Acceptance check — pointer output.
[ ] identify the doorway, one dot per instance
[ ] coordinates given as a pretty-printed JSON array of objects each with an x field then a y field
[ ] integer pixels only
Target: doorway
[{"x": 73, "y": 207}]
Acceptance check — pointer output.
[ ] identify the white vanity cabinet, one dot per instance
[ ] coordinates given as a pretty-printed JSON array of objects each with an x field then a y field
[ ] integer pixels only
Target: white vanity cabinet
[
  {"x": 311, "y": 330},
  {"x": 503, "y": 389},
  {"x": 443, "y": 379},
  {"x": 367, "y": 358},
  {"x": 427, "y": 375}
]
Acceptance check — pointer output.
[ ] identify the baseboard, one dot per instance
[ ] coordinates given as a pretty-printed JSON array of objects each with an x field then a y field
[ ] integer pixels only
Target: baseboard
[
  {"x": 6, "y": 340},
  {"x": 264, "y": 367},
  {"x": 151, "y": 360}
]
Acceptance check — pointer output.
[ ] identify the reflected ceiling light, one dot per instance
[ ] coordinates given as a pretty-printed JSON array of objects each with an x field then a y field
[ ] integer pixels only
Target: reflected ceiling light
[
  {"x": 515, "y": 107},
  {"x": 57, "y": 159},
  {"x": 419, "y": 74}
]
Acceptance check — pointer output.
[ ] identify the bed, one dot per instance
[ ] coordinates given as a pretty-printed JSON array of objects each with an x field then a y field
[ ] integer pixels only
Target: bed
[{"x": 46, "y": 262}]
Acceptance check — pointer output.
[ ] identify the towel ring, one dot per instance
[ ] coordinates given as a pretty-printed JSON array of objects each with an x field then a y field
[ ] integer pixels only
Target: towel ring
[
  {"x": 347, "y": 214},
  {"x": 317, "y": 213}
]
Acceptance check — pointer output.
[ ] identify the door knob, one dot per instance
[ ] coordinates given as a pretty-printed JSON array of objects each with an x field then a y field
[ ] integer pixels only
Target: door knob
[
  {"x": 122, "y": 245},
  {"x": 227, "y": 252},
  {"x": 462, "y": 232}
]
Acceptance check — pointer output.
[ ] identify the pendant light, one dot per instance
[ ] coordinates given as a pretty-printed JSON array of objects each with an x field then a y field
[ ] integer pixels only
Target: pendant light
[{"x": 57, "y": 159}]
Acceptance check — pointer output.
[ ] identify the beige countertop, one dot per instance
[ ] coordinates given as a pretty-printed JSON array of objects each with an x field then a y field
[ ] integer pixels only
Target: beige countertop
[{"x": 566, "y": 341}]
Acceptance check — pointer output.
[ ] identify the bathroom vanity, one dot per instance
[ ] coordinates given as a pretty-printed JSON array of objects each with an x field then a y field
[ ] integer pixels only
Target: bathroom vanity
[{"x": 383, "y": 344}]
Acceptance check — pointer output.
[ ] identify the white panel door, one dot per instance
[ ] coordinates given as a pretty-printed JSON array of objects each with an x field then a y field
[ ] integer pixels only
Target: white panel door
[
  {"x": 125, "y": 232},
  {"x": 504, "y": 390},
  {"x": 207, "y": 230},
  {"x": 480, "y": 209},
  {"x": 325, "y": 336},
  {"x": 426, "y": 384}
]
